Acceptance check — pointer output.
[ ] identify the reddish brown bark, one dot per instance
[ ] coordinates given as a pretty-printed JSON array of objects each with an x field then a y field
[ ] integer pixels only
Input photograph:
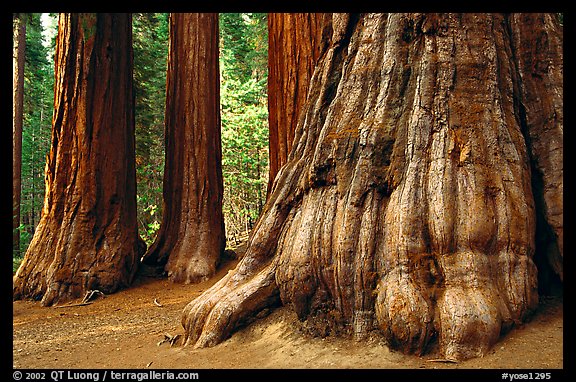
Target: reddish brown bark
[
  {"x": 293, "y": 49},
  {"x": 19, "y": 49},
  {"x": 191, "y": 238},
  {"x": 538, "y": 47},
  {"x": 87, "y": 235},
  {"x": 407, "y": 206}
]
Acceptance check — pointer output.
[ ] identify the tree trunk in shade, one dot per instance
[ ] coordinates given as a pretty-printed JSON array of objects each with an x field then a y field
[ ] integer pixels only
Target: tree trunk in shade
[
  {"x": 407, "y": 206},
  {"x": 539, "y": 61},
  {"x": 87, "y": 236},
  {"x": 18, "y": 59},
  {"x": 294, "y": 45},
  {"x": 191, "y": 237}
]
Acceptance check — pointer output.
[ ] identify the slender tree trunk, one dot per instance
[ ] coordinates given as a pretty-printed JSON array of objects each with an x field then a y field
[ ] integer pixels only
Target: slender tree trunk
[
  {"x": 191, "y": 238},
  {"x": 294, "y": 45},
  {"x": 406, "y": 207},
  {"x": 87, "y": 235},
  {"x": 34, "y": 176},
  {"x": 19, "y": 49}
]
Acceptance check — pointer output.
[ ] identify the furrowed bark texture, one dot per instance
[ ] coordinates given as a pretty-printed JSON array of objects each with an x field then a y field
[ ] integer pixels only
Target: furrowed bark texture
[
  {"x": 18, "y": 59},
  {"x": 191, "y": 238},
  {"x": 294, "y": 45},
  {"x": 537, "y": 41},
  {"x": 406, "y": 205},
  {"x": 87, "y": 235}
]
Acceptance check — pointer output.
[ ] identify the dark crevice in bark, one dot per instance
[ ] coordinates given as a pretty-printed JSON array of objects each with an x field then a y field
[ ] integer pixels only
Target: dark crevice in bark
[
  {"x": 546, "y": 245},
  {"x": 396, "y": 216},
  {"x": 549, "y": 282},
  {"x": 546, "y": 242}
]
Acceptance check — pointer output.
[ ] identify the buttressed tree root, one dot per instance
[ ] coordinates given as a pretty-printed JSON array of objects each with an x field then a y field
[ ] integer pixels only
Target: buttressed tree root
[{"x": 406, "y": 206}]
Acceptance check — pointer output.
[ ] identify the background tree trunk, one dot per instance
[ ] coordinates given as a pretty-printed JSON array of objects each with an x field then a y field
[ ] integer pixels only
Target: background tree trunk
[
  {"x": 191, "y": 237},
  {"x": 294, "y": 45},
  {"x": 19, "y": 49},
  {"x": 406, "y": 206},
  {"x": 87, "y": 236}
]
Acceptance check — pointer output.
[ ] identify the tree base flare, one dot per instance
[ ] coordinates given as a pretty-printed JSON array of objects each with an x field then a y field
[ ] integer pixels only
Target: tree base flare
[{"x": 406, "y": 205}]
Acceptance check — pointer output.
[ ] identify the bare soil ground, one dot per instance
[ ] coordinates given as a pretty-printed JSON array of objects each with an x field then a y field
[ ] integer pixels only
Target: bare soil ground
[{"x": 123, "y": 330}]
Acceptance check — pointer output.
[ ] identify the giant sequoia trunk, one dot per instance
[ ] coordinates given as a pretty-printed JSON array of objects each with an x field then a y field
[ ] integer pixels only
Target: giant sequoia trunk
[
  {"x": 294, "y": 47},
  {"x": 191, "y": 237},
  {"x": 18, "y": 59},
  {"x": 538, "y": 48},
  {"x": 406, "y": 207},
  {"x": 87, "y": 235}
]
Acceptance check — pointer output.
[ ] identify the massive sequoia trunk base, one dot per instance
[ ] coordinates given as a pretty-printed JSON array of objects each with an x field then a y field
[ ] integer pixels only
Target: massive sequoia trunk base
[
  {"x": 406, "y": 206},
  {"x": 87, "y": 236},
  {"x": 191, "y": 238}
]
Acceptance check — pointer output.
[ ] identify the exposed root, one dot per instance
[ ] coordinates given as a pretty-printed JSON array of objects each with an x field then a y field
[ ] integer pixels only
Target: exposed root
[
  {"x": 416, "y": 219},
  {"x": 211, "y": 317}
]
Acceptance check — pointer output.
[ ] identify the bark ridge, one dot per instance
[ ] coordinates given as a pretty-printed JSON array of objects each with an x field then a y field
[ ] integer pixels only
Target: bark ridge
[
  {"x": 406, "y": 207},
  {"x": 87, "y": 236}
]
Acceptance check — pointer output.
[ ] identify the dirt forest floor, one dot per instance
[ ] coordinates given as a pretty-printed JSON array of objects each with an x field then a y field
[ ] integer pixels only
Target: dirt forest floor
[{"x": 124, "y": 330}]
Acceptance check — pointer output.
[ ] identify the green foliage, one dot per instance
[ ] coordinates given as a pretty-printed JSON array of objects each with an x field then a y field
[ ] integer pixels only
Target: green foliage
[
  {"x": 243, "y": 62},
  {"x": 25, "y": 236},
  {"x": 38, "y": 108},
  {"x": 150, "y": 42},
  {"x": 150, "y": 53},
  {"x": 16, "y": 261}
]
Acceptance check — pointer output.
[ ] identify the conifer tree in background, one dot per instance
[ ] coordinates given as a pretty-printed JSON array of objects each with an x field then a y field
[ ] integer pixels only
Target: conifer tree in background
[
  {"x": 18, "y": 59},
  {"x": 150, "y": 59},
  {"x": 37, "y": 120},
  {"x": 243, "y": 59},
  {"x": 422, "y": 199}
]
